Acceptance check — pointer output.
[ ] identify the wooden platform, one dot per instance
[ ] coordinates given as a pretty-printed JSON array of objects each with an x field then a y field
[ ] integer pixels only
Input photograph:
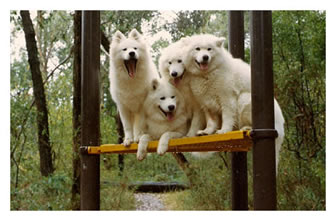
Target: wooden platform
[{"x": 235, "y": 141}]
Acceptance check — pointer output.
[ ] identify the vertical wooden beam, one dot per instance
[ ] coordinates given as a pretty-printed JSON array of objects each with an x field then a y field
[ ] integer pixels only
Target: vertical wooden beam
[
  {"x": 238, "y": 159},
  {"x": 264, "y": 176},
  {"x": 90, "y": 109}
]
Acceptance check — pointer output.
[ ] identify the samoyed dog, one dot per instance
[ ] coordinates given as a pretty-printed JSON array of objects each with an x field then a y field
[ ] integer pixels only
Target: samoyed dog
[
  {"x": 165, "y": 117},
  {"x": 217, "y": 81},
  {"x": 131, "y": 71},
  {"x": 222, "y": 86},
  {"x": 172, "y": 69}
]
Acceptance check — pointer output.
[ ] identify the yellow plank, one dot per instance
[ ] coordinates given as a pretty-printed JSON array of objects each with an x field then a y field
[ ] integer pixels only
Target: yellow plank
[{"x": 231, "y": 141}]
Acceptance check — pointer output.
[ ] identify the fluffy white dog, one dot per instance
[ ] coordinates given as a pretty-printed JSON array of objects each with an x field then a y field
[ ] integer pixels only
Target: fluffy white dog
[
  {"x": 131, "y": 71},
  {"x": 165, "y": 117},
  {"x": 222, "y": 86},
  {"x": 172, "y": 69}
]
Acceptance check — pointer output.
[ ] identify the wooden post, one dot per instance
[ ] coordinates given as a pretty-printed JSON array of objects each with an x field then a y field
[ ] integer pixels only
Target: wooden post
[
  {"x": 264, "y": 176},
  {"x": 90, "y": 172},
  {"x": 238, "y": 159}
]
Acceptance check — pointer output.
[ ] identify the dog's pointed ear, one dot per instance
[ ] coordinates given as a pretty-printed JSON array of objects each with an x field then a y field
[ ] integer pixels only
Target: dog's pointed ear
[
  {"x": 118, "y": 37},
  {"x": 155, "y": 84},
  {"x": 220, "y": 42},
  {"x": 134, "y": 34}
]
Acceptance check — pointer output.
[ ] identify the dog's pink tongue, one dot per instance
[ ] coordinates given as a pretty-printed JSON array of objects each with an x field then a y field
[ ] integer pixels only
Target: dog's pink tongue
[
  {"x": 170, "y": 116},
  {"x": 131, "y": 68},
  {"x": 204, "y": 66},
  {"x": 177, "y": 81}
]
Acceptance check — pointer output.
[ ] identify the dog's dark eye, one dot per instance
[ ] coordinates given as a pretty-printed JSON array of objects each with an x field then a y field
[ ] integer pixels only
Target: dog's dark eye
[
  {"x": 172, "y": 97},
  {"x": 124, "y": 49},
  {"x": 209, "y": 49},
  {"x": 135, "y": 48},
  {"x": 162, "y": 98},
  {"x": 198, "y": 49},
  {"x": 169, "y": 62},
  {"x": 179, "y": 61}
]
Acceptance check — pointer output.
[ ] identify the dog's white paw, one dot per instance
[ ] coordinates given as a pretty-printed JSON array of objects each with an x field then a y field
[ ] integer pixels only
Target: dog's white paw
[
  {"x": 136, "y": 139},
  {"x": 206, "y": 131},
  {"x": 190, "y": 135},
  {"x": 127, "y": 141},
  {"x": 201, "y": 133},
  {"x": 141, "y": 153},
  {"x": 222, "y": 131},
  {"x": 162, "y": 148}
]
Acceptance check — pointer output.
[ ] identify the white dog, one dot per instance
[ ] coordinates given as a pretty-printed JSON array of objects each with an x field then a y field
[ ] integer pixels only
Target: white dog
[
  {"x": 222, "y": 86},
  {"x": 172, "y": 69},
  {"x": 165, "y": 117},
  {"x": 217, "y": 82},
  {"x": 131, "y": 71}
]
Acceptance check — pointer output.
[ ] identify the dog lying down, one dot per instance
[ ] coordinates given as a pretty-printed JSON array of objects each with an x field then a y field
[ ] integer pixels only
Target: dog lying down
[{"x": 165, "y": 117}]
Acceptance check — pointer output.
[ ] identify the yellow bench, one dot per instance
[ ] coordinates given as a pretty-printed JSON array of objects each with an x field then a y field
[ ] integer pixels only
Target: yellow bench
[{"x": 232, "y": 141}]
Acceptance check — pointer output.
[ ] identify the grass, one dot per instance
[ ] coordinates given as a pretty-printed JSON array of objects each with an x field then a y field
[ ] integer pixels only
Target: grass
[
  {"x": 297, "y": 188},
  {"x": 45, "y": 193},
  {"x": 174, "y": 200},
  {"x": 117, "y": 198}
]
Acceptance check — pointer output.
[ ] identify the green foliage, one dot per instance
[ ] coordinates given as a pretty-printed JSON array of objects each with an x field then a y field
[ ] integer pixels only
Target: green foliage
[
  {"x": 124, "y": 21},
  {"x": 299, "y": 68},
  {"x": 211, "y": 180},
  {"x": 299, "y": 185},
  {"x": 188, "y": 23},
  {"x": 45, "y": 193},
  {"x": 28, "y": 190},
  {"x": 153, "y": 168},
  {"x": 117, "y": 197},
  {"x": 157, "y": 46}
]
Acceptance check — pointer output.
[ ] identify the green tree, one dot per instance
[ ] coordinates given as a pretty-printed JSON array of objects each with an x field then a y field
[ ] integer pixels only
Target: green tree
[
  {"x": 299, "y": 68},
  {"x": 57, "y": 81},
  {"x": 46, "y": 163}
]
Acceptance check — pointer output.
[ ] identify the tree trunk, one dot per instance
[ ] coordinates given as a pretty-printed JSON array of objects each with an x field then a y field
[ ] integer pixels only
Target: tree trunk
[
  {"x": 76, "y": 112},
  {"x": 46, "y": 163}
]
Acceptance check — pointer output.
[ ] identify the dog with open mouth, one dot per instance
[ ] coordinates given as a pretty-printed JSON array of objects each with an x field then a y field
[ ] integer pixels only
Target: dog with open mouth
[
  {"x": 172, "y": 69},
  {"x": 131, "y": 71},
  {"x": 171, "y": 64},
  {"x": 165, "y": 117},
  {"x": 222, "y": 86},
  {"x": 216, "y": 81}
]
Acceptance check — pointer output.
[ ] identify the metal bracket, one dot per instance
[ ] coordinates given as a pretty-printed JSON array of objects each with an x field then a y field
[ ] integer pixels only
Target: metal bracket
[{"x": 256, "y": 134}]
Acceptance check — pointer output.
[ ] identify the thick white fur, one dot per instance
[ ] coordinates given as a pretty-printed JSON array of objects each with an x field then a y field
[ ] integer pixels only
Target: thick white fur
[
  {"x": 217, "y": 88},
  {"x": 245, "y": 121},
  {"x": 129, "y": 92},
  {"x": 222, "y": 86},
  {"x": 172, "y": 69},
  {"x": 161, "y": 95}
]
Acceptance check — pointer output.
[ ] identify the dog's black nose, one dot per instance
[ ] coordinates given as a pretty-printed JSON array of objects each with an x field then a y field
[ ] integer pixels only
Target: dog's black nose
[
  {"x": 205, "y": 57},
  {"x": 171, "y": 107},
  {"x": 174, "y": 74},
  {"x": 132, "y": 54}
]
